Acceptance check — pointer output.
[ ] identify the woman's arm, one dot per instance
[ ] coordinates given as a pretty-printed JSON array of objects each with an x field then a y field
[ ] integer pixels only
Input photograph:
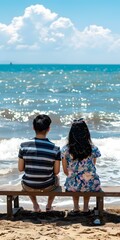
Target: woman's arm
[
  {"x": 21, "y": 165},
  {"x": 94, "y": 161},
  {"x": 64, "y": 165}
]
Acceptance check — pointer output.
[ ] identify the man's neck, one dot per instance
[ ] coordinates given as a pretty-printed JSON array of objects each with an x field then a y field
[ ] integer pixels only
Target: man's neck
[{"x": 40, "y": 135}]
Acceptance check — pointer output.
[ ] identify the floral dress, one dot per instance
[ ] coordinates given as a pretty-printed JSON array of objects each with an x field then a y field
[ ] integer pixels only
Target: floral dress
[{"x": 82, "y": 175}]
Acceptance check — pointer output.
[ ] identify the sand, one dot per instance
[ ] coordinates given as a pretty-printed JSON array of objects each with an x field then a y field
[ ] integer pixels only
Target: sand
[{"x": 60, "y": 225}]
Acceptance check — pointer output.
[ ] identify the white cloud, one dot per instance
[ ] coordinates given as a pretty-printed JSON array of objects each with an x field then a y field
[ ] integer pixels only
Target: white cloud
[
  {"x": 97, "y": 30},
  {"x": 93, "y": 37},
  {"x": 39, "y": 29},
  {"x": 39, "y": 12},
  {"x": 4, "y": 34},
  {"x": 116, "y": 45},
  {"x": 61, "y": 23}
]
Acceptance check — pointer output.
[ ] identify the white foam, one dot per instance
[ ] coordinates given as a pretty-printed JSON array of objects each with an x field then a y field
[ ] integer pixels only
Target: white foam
[
  {"x": 9, "y": 148},
  {"x": 108, "y": 165},
  {"x": 109, "y": 147}
]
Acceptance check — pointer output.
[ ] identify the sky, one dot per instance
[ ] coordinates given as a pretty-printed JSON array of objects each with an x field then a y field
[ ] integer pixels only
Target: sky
[{"x": 60, "y": 31}]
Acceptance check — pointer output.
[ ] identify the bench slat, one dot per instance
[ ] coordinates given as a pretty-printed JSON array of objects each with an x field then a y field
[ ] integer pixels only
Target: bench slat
[{"x": 17, "y": 190}]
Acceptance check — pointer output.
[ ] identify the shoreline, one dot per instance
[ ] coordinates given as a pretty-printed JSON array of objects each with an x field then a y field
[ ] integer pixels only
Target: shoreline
[{"x": 57, "y": 207}]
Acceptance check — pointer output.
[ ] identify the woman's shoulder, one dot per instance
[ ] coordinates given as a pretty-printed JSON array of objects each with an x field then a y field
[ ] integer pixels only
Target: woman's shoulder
[
  {"x": 95, "y": 151},
  {"x": 64, "y": 151}
]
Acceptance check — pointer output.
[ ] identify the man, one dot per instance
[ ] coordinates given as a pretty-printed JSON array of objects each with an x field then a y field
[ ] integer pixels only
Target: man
[{"x": 40, "y": 160}]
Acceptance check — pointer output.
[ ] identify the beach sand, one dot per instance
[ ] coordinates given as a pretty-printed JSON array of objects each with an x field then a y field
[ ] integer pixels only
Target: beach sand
[{"x": 60, "y": 225}]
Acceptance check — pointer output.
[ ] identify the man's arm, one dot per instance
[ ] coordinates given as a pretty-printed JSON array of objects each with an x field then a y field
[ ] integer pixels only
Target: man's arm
[
  {"x": 56, "y": 167},
  {"x": 21, "y": 165}
]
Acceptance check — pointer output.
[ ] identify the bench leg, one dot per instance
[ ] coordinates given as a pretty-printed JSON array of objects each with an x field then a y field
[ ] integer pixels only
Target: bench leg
[
  {"x": 9, "y": 207},
  {"x": 100, "y": 205},
  {"x": 16, "y": 201}
]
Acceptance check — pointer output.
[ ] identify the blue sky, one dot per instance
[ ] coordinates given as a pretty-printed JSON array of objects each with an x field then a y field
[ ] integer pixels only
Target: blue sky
[{"x": 60, "y": 31}]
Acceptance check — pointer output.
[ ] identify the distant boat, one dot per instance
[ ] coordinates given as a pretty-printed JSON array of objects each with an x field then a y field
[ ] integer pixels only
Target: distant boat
[{"x": 11, "y": 63}]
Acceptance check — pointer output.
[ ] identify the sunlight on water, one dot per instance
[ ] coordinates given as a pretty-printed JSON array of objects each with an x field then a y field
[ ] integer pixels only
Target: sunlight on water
[{"x": 64, "y": 92}]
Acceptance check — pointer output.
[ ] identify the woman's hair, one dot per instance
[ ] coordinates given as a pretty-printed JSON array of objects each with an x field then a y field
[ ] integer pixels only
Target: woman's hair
[{"x": 79, "y": 140}]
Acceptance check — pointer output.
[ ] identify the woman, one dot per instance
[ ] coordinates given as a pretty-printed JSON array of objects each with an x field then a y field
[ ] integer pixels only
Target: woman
[{"x": 78, "y": 160}]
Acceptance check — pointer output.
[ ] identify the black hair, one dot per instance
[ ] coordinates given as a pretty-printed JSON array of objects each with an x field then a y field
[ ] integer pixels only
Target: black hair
[
  {"x": 79, "y": 140},
  {"x": 41, "y": 123}
]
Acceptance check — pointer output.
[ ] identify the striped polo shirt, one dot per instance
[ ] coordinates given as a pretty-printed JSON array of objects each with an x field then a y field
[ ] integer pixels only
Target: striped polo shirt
[{"x": 39, "y": 156}]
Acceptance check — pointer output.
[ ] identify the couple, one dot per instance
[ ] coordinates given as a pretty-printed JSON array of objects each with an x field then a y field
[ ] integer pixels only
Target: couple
[{"x": 39, "y": 158}]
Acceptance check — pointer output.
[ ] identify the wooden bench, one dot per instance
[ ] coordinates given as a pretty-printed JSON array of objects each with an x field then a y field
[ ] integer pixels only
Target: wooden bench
[{"x": 12, "y": 194}]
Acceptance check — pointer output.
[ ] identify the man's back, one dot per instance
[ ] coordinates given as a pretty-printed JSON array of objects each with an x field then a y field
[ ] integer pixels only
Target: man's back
[
  {"x": 39, "y": 156},
  {"x": 40, "y": 160}
]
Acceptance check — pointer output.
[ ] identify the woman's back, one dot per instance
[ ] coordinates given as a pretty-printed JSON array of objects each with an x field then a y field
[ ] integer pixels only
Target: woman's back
[
  {"x": 78, "y": 160},
  {"x": 82, "y": 174}
]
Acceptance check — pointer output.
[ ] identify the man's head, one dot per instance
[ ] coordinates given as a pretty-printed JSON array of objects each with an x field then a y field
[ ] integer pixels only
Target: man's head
[{"x": 41, "y": 123}]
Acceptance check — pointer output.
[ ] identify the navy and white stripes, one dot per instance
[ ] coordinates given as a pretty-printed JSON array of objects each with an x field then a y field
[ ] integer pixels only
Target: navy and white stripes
[{"x": 39, "y": 156}]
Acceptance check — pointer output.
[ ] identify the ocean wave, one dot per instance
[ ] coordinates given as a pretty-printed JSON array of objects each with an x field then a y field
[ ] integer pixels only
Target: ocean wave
[
  {"x": 91, "y": 117},
  {"x": 9, "y": 171},
  {"x": 22, "y": 116},
  {"x": 94, "y": 118},
  {"x": 9, "y": 149},
  {"x": 109, "y": 147},
  {"x": 108, "y": 165}
]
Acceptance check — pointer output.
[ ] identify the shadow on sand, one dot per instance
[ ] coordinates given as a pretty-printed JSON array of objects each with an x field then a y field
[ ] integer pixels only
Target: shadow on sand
[{"x": 62, "y": 218}]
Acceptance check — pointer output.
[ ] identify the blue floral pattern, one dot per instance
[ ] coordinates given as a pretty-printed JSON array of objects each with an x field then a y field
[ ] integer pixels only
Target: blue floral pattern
[{"x": 82, "y": 175}]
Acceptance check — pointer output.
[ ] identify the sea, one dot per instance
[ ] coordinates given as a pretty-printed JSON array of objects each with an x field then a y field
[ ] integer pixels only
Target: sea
[{"x": 65, "y": 92}]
